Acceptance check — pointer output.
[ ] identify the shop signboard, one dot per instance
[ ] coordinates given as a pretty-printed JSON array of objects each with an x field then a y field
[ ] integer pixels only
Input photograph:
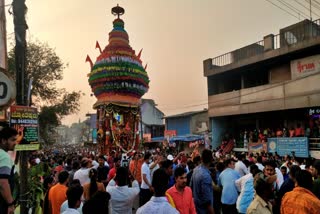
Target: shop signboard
[
  {"x": 170, "y": 133},
  {"x": 25, "y": 120},
  {"x": 288, "y": 145},
  {"x": 314, "y": 112},
  {"x": 305, "y": 66}
]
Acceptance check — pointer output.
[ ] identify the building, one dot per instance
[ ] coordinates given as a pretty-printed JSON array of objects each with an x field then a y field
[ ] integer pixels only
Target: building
[
  {"x": 188, "y": 127},
  {"x": 194, "y": 122},
  {"x": 273, "y": 83},
  {"x": 152, "y": 119}
]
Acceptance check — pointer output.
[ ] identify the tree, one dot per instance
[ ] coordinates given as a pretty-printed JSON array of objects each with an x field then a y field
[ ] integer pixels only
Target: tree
[{"x": 46, "y": 68}]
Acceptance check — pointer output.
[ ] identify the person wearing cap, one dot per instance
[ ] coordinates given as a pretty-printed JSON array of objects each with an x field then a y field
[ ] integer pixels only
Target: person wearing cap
[
  {"x": 83, "y": 173},
  {"x": 173, "y": 166},
  {"x": 170, "y": 157}
]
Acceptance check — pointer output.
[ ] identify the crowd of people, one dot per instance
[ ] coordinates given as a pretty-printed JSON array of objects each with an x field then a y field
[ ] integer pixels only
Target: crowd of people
[
  {"x": 84, "y": 181},
  {"x": 246, "y": 136}
]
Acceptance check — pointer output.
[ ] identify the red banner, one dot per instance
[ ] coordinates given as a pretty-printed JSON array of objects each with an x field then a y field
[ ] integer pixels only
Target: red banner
[{"x": 170, "y": 133}]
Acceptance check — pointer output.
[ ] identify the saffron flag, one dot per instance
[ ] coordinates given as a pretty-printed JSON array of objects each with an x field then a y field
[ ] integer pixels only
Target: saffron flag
[
  {"x": 88, "y": 59},
  {"x": 98, "y": 46}
]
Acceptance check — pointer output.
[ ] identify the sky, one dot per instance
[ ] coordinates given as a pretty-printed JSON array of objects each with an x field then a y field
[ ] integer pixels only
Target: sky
[{"x": 176, "y": 36}]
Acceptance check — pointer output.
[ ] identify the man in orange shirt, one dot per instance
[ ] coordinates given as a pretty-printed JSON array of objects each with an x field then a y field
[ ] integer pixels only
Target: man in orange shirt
[
  {"x": 180, "y": 195},
  {"x": 57, "y": 193},
  {"x": 135, "y": 167},
  {"x": 301, "y": 200}
]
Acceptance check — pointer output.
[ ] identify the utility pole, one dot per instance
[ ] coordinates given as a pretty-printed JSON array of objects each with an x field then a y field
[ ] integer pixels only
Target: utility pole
[
  {"x": 20, "y": 26},
  {"x": 310, "y": 10}
]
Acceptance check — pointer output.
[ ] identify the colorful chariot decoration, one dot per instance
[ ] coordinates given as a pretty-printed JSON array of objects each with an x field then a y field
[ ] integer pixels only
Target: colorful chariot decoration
[{"x": 118, "y": 80}]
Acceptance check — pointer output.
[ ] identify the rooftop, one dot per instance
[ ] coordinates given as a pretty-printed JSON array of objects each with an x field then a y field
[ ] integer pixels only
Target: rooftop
[
  {"x": 185, "y": 114},
  {"x": 289, "y": 39}
]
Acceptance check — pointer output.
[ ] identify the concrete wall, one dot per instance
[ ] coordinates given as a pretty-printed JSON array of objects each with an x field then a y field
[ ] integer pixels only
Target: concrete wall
[
  {"x": 199, "y": 123},
  {"x": 151, "y": 115},
  {"x": 218, "y": 129},
  {"x": 224, "y": 99},
  {"x": 300, "y": 93},
  {"x": 181, "y": 124},
  {"x": 267, "y": 55},
  {"x": 280, "y": 74}
]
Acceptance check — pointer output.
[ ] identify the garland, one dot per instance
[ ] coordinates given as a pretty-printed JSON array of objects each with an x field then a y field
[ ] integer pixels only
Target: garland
[
  {"x": 121, "y": 61},
  {"x": 99, "y": 93},
  {"x": 105, "y": 68},
  {"x": 119, "y": 76},
  {"x": 116, "y": 71}
]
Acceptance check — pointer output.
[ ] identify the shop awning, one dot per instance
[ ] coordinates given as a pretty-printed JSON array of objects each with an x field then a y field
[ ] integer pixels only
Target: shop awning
[{"x": 183, "y": 138}]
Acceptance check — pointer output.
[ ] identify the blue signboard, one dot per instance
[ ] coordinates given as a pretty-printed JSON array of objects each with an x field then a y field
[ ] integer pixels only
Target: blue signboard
[{"x": 285, "y": 146}]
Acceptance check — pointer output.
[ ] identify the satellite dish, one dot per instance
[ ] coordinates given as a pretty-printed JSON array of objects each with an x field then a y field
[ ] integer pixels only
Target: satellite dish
[{"x": 290, "y": 38}]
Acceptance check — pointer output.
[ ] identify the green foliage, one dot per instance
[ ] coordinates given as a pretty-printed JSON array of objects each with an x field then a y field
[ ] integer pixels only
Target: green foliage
[
  {"x": 46, "y": 68},
  {"x": 35, "y": 185}
]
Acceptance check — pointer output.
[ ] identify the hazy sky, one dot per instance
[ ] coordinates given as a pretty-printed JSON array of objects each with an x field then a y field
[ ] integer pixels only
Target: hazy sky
[{"x": 176, "y": 36}]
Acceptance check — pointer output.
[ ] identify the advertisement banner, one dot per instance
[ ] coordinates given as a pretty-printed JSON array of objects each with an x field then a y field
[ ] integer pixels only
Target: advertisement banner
[
  {"x": 170, "y": 133},
  {"x": 287, "y": 145},
  {"x": 305, "y": 66},
  {"x": 25, "y": 120},
  {"x": 257, "y": 147}
]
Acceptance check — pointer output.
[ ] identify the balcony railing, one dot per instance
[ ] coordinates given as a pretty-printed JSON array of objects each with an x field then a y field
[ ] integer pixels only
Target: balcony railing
[{"x": 306, "y": 30}]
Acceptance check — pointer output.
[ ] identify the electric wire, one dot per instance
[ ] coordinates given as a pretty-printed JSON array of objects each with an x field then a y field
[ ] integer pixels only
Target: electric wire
[
  {"x": 314, "y": 5},
  {"x": 316, "y": 2},
  {"x": 293, "y": 9},
  {"x": 306, "y": 7},
  {"x": 282, "y": 9}
]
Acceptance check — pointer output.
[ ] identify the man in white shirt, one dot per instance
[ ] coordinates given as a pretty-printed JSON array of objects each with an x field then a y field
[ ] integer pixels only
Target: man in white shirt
[
  {"x": 146, "y": 187},
  {"x": 240, "y": 167},
  {"x": 83, "y": 173},
  {"x": 158, "y": 204},
  {"x": 259, "y": 163},
  {"x": 155, "y": 164},
  {"x": 122, "y": 197}
]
